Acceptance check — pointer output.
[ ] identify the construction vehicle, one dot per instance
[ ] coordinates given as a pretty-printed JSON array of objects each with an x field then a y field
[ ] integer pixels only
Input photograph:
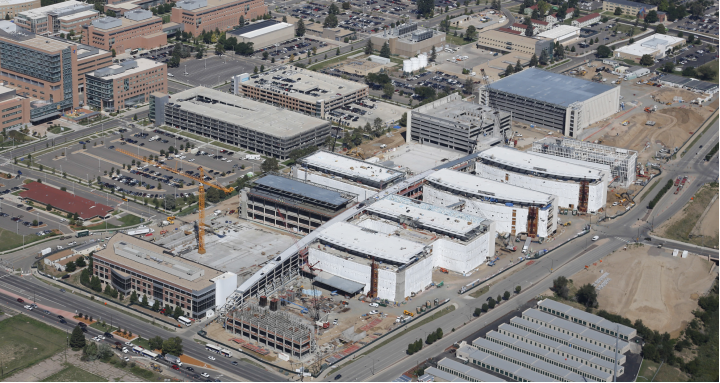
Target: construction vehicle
[
  {"x": 443, "y": 270},
  {"x": 201, "y": 191},
  {"x": 582, "y": 72},
  {"x": 356, "y": 152},
  {"x": 625, "y": 123},
  {"x": 650, "y": 109},
  {"x": 156, "y": 367},
  {"x": 598, "y": 77},
  {"x": 171, "y": 220},
  {"x": 568, "y": 223},
  {"x": 408, "y": 313}
]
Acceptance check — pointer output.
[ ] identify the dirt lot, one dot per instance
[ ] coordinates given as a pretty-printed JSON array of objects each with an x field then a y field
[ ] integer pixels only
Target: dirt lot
[
  {"x": 392, "y": 140},
  {"x": 709, "y": 225},
  {"x": 648, "y": 283},
  {"x": 680, "y": 226}
]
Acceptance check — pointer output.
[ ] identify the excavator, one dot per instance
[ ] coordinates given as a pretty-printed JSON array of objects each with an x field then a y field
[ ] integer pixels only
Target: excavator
[{"x": 356, "y": 152}]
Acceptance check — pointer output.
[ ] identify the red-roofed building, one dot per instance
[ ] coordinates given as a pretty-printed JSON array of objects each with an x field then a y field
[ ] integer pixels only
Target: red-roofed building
[
  {"x": 508, "y": 30},
  {"x": 584, "y": 21},
  {"x": 517, "y": 27},
  {"x": 64, "y": 201}
]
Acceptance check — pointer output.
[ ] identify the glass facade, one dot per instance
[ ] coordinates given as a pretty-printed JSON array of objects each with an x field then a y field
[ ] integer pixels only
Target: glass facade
[{"x": 100, "y": 93}]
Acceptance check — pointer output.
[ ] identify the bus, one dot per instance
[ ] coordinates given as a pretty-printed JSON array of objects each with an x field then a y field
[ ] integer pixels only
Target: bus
[
  {"x": 226, "y": 353},
  {"x": 213, "y": 348},
  {"x": 184, "y": 321},
  {"x": 138, "y": 349},
  {"x": 82, "y": 233},
  {"x": 149, "y": 354}
]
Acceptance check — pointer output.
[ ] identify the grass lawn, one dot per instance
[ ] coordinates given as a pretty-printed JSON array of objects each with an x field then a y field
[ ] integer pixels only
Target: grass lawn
[
  {"x": 681, "y": 229},
  {"x": 612, "y": 14},
  {"x": 99, "y": 326},
  {"x": 10, "y": 240},
  {"x": 624, "y": 28},
  {"x": 334, "y": 60},
  {"x": 477, "y": 293},
  {"x": 73, "y": 374},
  {"x": 25, "y": 341},
  {"x": 59, "y": 129},
  {"x": 225, "y": 146},
  {"x": 667, "y": 373},
  {"x": 457, "y": 40},
  {"x": 19, "y": 139},
  {"x": 127, "y": 220}
]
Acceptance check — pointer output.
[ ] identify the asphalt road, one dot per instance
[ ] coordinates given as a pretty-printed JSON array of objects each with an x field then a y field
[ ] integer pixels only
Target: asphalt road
[{"x": 51, "y": 296}]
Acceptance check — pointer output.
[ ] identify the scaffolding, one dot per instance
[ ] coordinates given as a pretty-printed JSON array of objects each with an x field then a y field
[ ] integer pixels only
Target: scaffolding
[
  {"x": 281, "y": 330},
  {"x": 622, "y": 162}
]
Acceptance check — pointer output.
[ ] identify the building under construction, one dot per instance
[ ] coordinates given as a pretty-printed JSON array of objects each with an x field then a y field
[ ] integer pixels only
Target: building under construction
[
  {"x": 622, "y": 162},
  {"x": 581, "y": 187},
  {"x": 267, "y": 324},
  {"x": 361, "y": 178},
  {"x": 455, "y": 124},
  {"x": 514, "y": 209},
  {"x": 390, "y": 248},
  {"x": 291, "y": 204}
]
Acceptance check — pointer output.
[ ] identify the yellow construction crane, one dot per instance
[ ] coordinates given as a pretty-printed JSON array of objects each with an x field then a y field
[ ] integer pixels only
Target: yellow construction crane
[{"x": 201, "y": 191}]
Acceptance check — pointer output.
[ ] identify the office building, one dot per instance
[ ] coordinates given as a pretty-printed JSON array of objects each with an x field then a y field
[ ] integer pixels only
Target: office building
[
  {"x": 122, "y": 6},
  {"x": 130, "y": 264},
  {"x": 73, "y": 23},
  {"x": 46, "y": 20},
  {"x": 453, "y": 123},
  {"x": 500, "y": 41},
  {"x": 301, "y": 90},
  {"x": 560, "y": 34},
  {"x": 208, "y": 15},
  {"x": 15, "y": 109},
  {"x": 126, "y": 84},
  {"x": 49, "y": 70},
  {"x": 657, "y": 46},
  {"x": 264, "y": 33},
  {"x": 389, "y": 249},
  {"x": 337, "y": 34},
  {"x": 10, "y": 8},
  {"x": 552, "y": 100},
  {"x": 291, "y": 204},
  {"x": 137, "y": 29},
  {"x": 345, "y": 173},
  {"x": 629, "y": 8},
  {"x": 577, "y": 186},
  {"x": 622, "y": 162},
  {"x": 515, "y": 210},
  {"x": 409, "y": 40},
  {"x": 251, "y": 125}
]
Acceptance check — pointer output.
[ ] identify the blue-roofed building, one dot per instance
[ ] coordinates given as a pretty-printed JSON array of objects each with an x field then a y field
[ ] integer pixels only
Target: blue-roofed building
[
  {"x": 291, "y": 204},
  {"x": 552, "y": 100}
]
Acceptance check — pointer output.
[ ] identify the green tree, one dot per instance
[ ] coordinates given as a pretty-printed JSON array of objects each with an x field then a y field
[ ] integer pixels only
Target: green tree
[
  {"x": 491, "y": 303},
  {"x": 477, "y": 312},
  {"x": 369, "y": 47},
  {"x": 517, "y": 289},
  {"x": 647, "y": 60},
  {"x": 85, "y": 278},
  {"x": 707, "y": 72},
  {"x": 529, "y": 31},
  {"x": 468, "y": 86},
  {"x": 173, "y": 346},
  {"x": 77, "y": 339},
  {"x": 331, "y": 21},
  {"x": 80, "y": 262},
  {"x": 668, "y": 67},
  {"x": 91, "y": 351},
  {"x": 603, "y": 51},
  {"x": 95, "y": 284},
  {"x": 560, "y": 287},
  {"x": 439, "y": 333},
  {"x": 471, "y": 33},
  {"x": 156, "y": 343},
  {"x": 144, "y": 301},
  {"x": 518, "y": 66},
  {"x": 485, "y": 307},
  {"x": 270, "y": 165},
  {"x": 433, "y": 54},
  {"x": 587, "y": 295},
  {"x": 156, "y": 305},
  {"x": 618, "y": 11},
  {"x": 388, "y": 90},
  {"x": 133, "y": 297},
  {"x": 300, "y": 29},
  {"x": 510, "y": 69},
  {"x": 385, "y": 50},
  {"x": 113, "y": 52},
  {"x": 178, "y": 312},
  {"x": 533, "y": 61}
]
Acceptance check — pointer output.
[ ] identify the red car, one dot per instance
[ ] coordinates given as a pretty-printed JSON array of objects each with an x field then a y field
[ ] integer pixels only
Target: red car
[
  {"x": 175, "y": 367},
  {"x": 148, "y": 234},
  {"x": 20, "y": 300}
]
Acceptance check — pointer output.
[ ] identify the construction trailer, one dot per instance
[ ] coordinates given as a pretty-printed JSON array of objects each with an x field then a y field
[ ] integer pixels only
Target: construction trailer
[
  {"x": 622, "y": 162},
  {"x": 578, "y": 187},
  {"x": 514, "y": 209}
]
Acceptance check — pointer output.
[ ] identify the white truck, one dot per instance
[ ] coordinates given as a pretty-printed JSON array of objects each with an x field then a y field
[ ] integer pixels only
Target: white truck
[
  {"x": 252, "y": 157},
  {"x": 44, "y": 252},
  {"x": 139, "y": 231},
  {"x": 173, "y": 359},
  {"x": 526, "y": 246},
  {"x": 154, "y": 138}
]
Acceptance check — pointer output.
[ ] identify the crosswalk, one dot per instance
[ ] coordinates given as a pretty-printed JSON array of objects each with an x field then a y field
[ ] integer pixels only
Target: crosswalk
[{"x": 624, "y": 240}]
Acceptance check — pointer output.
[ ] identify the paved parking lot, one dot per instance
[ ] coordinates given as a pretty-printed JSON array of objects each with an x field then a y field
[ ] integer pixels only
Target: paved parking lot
[{"x": 212, "y": 70}]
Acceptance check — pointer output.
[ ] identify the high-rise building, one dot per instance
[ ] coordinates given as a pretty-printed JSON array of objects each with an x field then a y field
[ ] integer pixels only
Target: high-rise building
[
  {"x": 137, "y": 29},
  {"x": 51, "y": 71},
  {"x": 46, "y": 20},
  {"x": 208, "y": 15},
  {"x": 125, "y": 84}
]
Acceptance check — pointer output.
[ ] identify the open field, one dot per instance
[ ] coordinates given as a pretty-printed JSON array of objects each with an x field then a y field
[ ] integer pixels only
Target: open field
[
  {"x": 667, "y": 373},
  {"x": 10, "y": 240},
  {"x": 25, "y": 341},
  {"x": 73, "y": 374},
  {"x": 681, "y": 226},
  {"x": 648, "y": 283}
]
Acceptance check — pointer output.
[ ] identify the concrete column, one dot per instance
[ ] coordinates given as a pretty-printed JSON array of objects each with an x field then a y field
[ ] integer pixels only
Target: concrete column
[{"x": 407, "y": 133}]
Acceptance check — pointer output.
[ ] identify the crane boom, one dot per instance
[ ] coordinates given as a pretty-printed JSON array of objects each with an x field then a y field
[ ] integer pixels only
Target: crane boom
[{"x": 201, "y": 191}]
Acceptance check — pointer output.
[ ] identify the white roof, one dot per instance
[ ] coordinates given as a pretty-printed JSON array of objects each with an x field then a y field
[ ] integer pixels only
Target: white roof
[
  {"x": 366, "y": 242},
  {"x": 350, "y": 166},
  {"x": 534, "y": 163},
  {"x": 484, "y": 187},
  {"x": 43, "y": 11},
  {"x": 12, "y": 2},
  {"x": 268, "y": 29},
  {"x": 79, "y": 15},
  {"x": 650, "y": 45},
  {"x": 142, "y": 65},
  {"x": 559, "y": 31},
  {"x": 430, "y": 216}
]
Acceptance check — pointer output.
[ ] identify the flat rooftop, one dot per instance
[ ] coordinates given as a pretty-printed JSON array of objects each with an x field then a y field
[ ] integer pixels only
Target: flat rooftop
[
  {"x": 78, "y": 15},
  {"x": 468, "y": 370},
  {"x": 57, "y": 7},
  {"x": 587, "y": 317},
  {"x": 420, "y": 157},
  {"x": 549, "y": 87},
  {"x": 303, "y": 84},
  {"x": 650, "y": 45},
  {"x": 559, "y": 31},
  {"x": 259, "y": 29},
  {"x": 46, "y": 44},
  {"x": 306, "y": 191},
  {"x": 126, "y": 68},
  {"x": 462, "y": 112},
  {"x": 113, "y": 23},
  {"x": 483, "y": 187},
  {"x": 507, "y": 366},
  {"x": 251, "y": 114},
  {"x": 371, "y": 243},
  {"x": 151, "y": 259},
  {"x": 427, "y": 216},
  {"x": 350, "y": 167},
  {"x": 574, "y": 327},
  {"x": 200, "y": 5},
  {"x": 538, "y": 164}
]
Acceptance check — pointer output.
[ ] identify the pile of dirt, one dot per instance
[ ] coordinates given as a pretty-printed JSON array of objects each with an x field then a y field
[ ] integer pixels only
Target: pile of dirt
[
  {"x": 648, "y": 283},
  {"x": 666, "y": 95}
]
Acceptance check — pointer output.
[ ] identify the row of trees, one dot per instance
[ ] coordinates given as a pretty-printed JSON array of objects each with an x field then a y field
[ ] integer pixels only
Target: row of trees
[
  {"x": 586, "y": 294},
  {"x": 492, "y": 302}
]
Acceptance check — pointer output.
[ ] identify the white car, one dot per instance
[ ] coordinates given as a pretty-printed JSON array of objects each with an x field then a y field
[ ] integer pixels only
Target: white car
[
  {"x": 191, "y": 160},
  {"x": 205, "y": 375},
  {"x": 615, "y": 203},
  {"x": 129, "y": 344},
  {"x": 228, "y": 161},
  {"x": 374, "y": 305},
  {"x": 171, "y": 75},
  {"x": 211, "y": 357},
  {"x": 595, "y": 238},
  {"x": 28, "y": 307},
  {"x": 125, "y": 350},
  {"x": 373, "y": 312},
  {"x": 100, "y": 337},
  {"x": 63, "y": 220}
]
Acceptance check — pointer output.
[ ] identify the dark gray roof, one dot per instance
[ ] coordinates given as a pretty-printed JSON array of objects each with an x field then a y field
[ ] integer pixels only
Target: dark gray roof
[
  {"x": 253, "y": 27},
  {"x": 301, "y": 189},
  {"x": 675, "y": 79},
  {"x": 549, "y": 87}
]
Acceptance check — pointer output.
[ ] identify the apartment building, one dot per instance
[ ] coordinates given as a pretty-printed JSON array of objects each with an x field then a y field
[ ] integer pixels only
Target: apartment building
[
  {"x": 130, "y": 264},
  {"x": 137, "y": 29},
  {"x": 46, "y": 20},
  {"x": 208, "y": 15},
  {"x": 125, "y": 84},
  {"x": 630, "y": 8},
  {"x": 315, "y": 94},
  {"x": 12, "y": 7},
  {"x": 14, "y": 109},
  {"x": 50, "y": 70}
]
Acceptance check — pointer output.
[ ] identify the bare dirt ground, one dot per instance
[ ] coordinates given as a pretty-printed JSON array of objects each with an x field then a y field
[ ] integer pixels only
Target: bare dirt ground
[
  {"x": 392, "y": 140},
  {"x": 648, "y": 283},
  {"x": 57, "y": 362},
  {"x": 709, "y": 224},
  {"x": 681, "y": 226}
]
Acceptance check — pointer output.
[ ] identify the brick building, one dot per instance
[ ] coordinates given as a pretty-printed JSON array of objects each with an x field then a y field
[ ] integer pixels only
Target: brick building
[
  {"x": 14, "y": 109},
  {"x": 207, "y": 15},
  {"x": 125, "y": 84},
  {"x": 12, "y": 7},
  {"x": 75, "y": 21},
  {"x": 137, "y": 29},
  {"x": 46, "y": 20}
]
